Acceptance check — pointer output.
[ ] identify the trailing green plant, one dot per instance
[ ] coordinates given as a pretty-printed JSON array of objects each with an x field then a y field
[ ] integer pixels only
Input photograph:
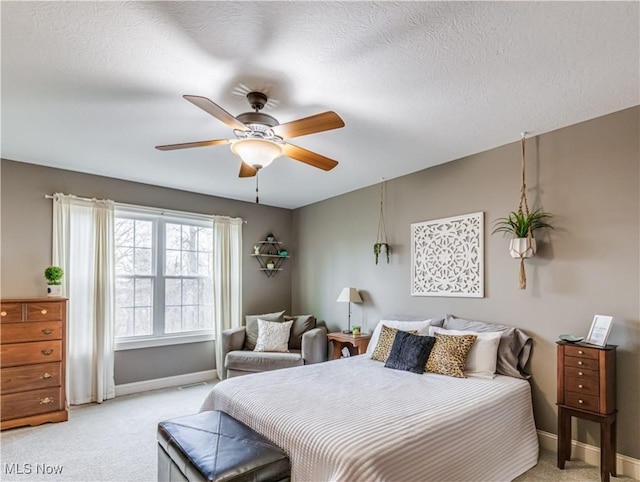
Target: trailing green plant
[
  {"x": 518, "y": 224},
  {"x": 377, "y": 248},
  {"x": 53, "y": 275}
]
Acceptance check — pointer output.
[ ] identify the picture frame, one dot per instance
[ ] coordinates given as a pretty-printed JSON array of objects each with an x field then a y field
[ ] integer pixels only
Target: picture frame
[{"x": 599, "y": 331}]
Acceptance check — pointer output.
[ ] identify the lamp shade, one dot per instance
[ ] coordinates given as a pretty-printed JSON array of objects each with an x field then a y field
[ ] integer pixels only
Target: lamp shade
[
  {"x": 256, "y": 152},
  {"x": 350, "y": 295}
]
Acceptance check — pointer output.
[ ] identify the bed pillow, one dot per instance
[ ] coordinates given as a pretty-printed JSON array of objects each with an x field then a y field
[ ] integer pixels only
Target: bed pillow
[
  {"x": 514, "y": 349},
  {"x": 482, "y": 358},
  {"x": 449, "y": 354},
  {"x": 273, "y": 335},
  {"x": 385, "y": 343},
  {"x": 434, "y": 321},
  {"x": 410, "y": 352},
  {"x": 421, "y": 327},
  {"x": 301, "y": 324},
  {"x": 251, "y": 327}
]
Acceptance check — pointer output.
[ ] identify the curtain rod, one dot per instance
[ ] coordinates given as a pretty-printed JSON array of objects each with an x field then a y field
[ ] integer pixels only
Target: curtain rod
[{"x": 160, "y": 211}]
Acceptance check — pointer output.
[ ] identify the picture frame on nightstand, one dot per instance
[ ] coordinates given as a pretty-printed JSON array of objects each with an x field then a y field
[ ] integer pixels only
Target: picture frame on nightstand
[{"x": 600, "y": 329}]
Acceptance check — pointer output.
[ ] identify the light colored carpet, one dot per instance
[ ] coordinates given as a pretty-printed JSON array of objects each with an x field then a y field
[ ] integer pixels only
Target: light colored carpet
[{"x": 116, "y": 441}]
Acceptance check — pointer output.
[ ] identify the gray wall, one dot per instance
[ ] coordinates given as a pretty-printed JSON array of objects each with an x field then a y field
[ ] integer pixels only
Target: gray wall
[
  {"x": 587, "y": 175},
  {"x": 26, "y": 224}
]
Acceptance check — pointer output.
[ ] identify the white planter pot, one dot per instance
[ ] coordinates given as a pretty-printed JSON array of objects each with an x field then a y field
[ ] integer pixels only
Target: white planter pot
[
  {"x": 54, "y": 290},
  {"x": 522, "y": 247}
]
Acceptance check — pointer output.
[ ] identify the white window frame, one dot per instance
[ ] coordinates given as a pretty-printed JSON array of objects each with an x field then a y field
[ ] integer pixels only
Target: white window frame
[{"x": 160, "y": 218}]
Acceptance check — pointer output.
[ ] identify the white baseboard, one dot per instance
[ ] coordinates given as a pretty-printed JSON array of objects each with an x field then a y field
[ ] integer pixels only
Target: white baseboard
[
  {"x": 166, "y": 382},
  {"x": 627, "y": 466}
]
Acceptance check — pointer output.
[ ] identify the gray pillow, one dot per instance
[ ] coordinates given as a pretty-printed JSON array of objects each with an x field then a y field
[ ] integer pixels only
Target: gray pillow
[
  {"x": 251, "y": 326},
  {"x": 434, "y": 321},
  {"x": 301, "y": 324},
  {"x": 514, "y": 348}
]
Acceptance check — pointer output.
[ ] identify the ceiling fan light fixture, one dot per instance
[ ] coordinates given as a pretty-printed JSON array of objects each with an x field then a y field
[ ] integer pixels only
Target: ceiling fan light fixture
[{"x": 258, "y": 153}]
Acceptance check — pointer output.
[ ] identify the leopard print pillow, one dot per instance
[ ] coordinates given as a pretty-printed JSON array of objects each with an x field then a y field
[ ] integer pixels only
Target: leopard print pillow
[
  {"x": 385, "y": 342},
  {"x": 449, "y": 354}
]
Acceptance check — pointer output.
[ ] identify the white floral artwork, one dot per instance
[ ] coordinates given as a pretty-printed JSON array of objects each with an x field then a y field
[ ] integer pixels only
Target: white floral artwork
[{"x": 448, "y": 257}]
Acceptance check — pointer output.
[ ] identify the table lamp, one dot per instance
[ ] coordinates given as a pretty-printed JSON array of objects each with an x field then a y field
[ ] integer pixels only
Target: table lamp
[{"x": 349, "y": 295}]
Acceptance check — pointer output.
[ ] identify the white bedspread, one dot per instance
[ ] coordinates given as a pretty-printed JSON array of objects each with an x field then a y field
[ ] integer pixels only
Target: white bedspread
[{"x": 354, "y": 420}]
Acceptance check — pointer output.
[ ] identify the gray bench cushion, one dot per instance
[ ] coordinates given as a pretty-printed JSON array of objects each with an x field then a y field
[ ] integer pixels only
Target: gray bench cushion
[{"x": 252, "y": 361}]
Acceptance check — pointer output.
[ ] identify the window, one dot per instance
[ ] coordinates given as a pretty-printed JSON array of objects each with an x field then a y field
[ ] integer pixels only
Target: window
[{"x": 164, "y": 285}]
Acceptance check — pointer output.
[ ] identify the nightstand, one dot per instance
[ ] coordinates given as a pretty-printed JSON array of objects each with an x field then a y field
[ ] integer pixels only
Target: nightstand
[
  {"x": 587, "y": 389},
  {"x": 356, "y": 344}
]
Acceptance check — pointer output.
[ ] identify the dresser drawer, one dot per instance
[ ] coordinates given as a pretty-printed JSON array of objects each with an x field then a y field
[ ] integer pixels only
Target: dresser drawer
[
  {"x": 581, "y": 352},
  {"x": 16, "y": 405},
  {"x": 43, "y": 311},
  {"x": 10, "y": 312},
  {"x": 587, "y": 363},
  {"x": 586, "y": 386},
  {"x": 30, "y": 377},
  {"x": 581, "y": 373},
  {"x": 37, "y": 331},
  {"x": 29, "y": 353},
  {"x": 584, "y": 402}
]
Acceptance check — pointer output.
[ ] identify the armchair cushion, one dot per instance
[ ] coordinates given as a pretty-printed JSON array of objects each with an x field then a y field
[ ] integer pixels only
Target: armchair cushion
[
  {"x": 301, "y": 324},
  {"x": 251, "y": 324},
  {"x": 260, "y": 361}
]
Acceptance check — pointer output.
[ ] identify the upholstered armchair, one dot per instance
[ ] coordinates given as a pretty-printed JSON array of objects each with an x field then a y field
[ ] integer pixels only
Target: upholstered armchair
[{"x": 307, "y": 345}]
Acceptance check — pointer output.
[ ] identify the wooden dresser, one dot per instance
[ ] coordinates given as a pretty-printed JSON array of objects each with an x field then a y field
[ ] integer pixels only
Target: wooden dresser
[
  {"x": 587, "y": 389},
  {"x": 32, "y": 361}
]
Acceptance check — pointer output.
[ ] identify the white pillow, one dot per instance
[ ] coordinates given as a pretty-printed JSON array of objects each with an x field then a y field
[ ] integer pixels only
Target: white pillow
[
  {"x": 483, "y": 356},
  {"x": 273, "y": 335},
  {"x": 421, "y": 328}
]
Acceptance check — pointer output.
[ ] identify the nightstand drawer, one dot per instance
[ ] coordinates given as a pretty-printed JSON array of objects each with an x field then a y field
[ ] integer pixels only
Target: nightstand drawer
[
  {"x": 585, "y": 386},
  {"x": 583, "y": 402},
  {"x": 581, "y": 352},
  {"x": 586, "y": 363},
  {"x": 581, "y": 373}
]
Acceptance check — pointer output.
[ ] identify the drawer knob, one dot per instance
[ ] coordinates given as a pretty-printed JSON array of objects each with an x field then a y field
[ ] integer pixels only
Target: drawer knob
[
  {"x": 46, "y": 375},
  {"x": 3, "y": 313},
  {"x": 47, "y": 352},
  {"x": 47, "y": 331},
  {"x": 45, "y": 400},
  {"x": 580, "y": 352},
  {"x": 580, "y": 402},
  {"x": 580, "y": 386},
  {"x": 44, "y": 312},
  {"x": 580, "y": 373},
  {"x": 579, "y": 363}
]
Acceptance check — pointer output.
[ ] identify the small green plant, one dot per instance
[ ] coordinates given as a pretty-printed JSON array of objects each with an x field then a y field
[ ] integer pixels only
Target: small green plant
[
  {"x": 53, "y": 275},
  {"x": 519, "y": 224},
  {"x": 377, "y": 248}
]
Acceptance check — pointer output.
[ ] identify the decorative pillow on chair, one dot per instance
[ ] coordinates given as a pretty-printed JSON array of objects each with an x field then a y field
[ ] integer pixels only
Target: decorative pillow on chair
[
  {"x": 449, "y": 354},
  {"x": 273, "y": 335},
  {"x": 482, "y": 358},
  {"x": 251, "y": 327},
  {"x": 385, "y": 342},
  {"x": 410, "y": 352}
]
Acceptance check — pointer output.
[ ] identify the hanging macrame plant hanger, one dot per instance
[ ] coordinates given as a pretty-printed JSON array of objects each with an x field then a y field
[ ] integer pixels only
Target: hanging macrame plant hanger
[
  {"x": 523, "y": 248},
  {"x": 381, "y": 238}
]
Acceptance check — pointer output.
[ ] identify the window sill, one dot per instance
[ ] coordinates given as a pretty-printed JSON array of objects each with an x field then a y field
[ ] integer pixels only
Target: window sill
[{"x": 148, "y": 342}]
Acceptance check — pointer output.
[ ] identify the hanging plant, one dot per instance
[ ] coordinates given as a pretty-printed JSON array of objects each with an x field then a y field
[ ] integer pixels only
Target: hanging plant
[
  {"x": 381, "y": 239},
  {"x": 521, "y": 225}
]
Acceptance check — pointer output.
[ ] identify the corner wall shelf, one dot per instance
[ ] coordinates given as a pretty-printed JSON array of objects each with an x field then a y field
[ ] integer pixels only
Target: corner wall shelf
[{"x": 270, "y": 255}]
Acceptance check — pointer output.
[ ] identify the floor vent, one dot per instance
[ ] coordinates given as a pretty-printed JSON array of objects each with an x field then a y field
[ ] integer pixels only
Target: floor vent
[{"x": 182, "y": 387}]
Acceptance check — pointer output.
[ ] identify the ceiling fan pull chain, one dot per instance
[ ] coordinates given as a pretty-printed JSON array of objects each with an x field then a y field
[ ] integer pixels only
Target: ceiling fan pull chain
[{"x": 257, "y": 199}]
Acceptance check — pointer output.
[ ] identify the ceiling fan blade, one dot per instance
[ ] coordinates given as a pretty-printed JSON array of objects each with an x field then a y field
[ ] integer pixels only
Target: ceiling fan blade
[
  {"x": 309, "y": 125},
  {"x": 186, "y": 145},
  {"x": 216, "y": 111},
  {"x": 247, "y": 171},
  {"x": 308, "y": 157}
]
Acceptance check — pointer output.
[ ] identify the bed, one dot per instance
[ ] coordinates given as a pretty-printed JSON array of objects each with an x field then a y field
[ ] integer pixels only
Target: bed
[{"x": 352, "y": 419}]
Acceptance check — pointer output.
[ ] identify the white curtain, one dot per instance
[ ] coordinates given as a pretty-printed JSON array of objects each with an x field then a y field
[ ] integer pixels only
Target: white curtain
[
  {"x": 83, "y": 246},
  {"x": 227, "y": 279}
]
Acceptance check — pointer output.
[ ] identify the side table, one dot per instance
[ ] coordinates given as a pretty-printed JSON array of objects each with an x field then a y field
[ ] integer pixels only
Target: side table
[{"x": 356, "y": 344}]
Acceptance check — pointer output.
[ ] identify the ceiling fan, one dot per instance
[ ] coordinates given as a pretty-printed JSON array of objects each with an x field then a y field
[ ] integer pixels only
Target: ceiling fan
[{"x": 260, "y": 138}]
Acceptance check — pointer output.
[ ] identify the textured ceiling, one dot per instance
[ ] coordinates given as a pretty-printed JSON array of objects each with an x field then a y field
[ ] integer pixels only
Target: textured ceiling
[{"x": 94, "y": 86}]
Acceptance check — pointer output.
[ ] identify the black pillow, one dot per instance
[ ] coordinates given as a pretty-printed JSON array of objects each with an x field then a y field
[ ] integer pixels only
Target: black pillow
[{"x": 410, "y": 352}]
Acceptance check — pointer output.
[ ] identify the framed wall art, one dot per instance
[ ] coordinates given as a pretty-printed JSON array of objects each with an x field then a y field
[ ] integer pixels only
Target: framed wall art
[{"x": 447, "y": 257}]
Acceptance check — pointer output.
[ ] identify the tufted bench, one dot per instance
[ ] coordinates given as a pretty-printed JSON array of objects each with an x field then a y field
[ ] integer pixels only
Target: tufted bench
[{"x": 213, "y": 446}]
